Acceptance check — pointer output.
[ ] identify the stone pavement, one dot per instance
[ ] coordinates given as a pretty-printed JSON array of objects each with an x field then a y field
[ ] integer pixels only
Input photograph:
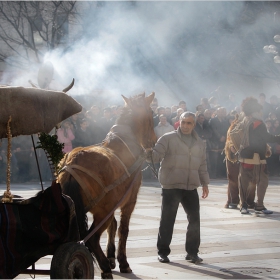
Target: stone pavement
[{"x": 233, "y": 246}]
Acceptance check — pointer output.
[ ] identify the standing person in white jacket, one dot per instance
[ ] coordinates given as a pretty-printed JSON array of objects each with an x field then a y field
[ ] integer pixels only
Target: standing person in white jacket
[
  {"x": 163, "y": 126},
  {"x": 183, "y": 168}
]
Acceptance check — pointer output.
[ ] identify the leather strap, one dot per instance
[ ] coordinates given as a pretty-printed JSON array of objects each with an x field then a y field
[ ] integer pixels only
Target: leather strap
[
  {"x": 125, "y": 145},
  {"x": 120, "y": 161},
  {"x": 105, "y": 189},
  {"x": 90, "y": 173}
]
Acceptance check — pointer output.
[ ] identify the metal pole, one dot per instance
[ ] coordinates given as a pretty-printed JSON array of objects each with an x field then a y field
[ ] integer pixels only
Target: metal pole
[{"x": 37, "y": 163}]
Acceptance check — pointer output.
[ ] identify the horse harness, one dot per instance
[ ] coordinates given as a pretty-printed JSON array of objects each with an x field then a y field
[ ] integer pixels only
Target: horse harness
[{"x": 105, "y": 189}]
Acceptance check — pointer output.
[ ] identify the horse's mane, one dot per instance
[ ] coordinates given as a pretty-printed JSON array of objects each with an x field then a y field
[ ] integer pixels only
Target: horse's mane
[
  {"x": 135, "y": 114},
  {"x": 126, "y": 116}
]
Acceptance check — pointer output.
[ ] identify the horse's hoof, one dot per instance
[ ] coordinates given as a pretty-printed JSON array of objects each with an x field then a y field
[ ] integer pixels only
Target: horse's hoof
[
  {"x": 106, "y": 275},
  {"x": 125, "y": 270},
  {"x": 112, "y": 262}
]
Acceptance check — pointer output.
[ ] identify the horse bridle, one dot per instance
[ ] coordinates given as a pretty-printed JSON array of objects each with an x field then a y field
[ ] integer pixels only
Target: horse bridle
[{"x": 152, "y": 165}]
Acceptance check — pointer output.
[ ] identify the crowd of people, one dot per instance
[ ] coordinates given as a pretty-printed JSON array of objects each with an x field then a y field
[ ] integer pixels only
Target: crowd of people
[
  {"x": 212, "y": 123},
  {"x": 245, "y": 140},
  {"x": 214, "y": 116},
  {"x": 237, "y": 142}
]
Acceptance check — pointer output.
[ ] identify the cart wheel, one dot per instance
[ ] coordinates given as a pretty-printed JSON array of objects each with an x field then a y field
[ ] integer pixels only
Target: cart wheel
[{"x": 72, "y": 261}]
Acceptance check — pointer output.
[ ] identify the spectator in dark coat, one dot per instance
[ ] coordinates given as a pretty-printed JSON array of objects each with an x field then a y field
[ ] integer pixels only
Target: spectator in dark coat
[
  {"x": 168, "y": 114},
  {"x": 205, "y": 103},
  {"x": 159, "y": 111},
  {"x": 219, "y": 126},
  {"x": 182, "y": 104},
  {"x": 83, "y": 135},
  {"x": 204, "y": 131}
]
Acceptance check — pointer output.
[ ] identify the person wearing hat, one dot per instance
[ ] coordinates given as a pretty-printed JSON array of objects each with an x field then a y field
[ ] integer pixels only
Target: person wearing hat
[
  {"x": 252, "y": 154},
  {"x": 233, "y": 166},
  {"x": 183, "y": 168}
]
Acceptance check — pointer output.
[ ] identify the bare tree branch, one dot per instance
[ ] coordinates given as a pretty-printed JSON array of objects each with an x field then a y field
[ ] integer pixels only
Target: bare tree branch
[{"x": 28, "y": 29}]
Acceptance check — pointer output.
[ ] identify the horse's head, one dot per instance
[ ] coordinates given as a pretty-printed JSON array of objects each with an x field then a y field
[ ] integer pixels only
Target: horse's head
[{"x": 141, "y": 116}]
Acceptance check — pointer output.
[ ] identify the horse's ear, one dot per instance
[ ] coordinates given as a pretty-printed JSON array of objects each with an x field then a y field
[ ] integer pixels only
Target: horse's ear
[
  {"x": 126, "y": 100},
  {"x": 150, "y": 98}
]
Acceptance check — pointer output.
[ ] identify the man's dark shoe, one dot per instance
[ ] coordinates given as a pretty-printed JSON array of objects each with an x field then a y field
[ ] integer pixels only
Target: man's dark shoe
[
  {"x": 194, "y": 259},
  {"x": 263, "y": 211},
  {"x": 163, "y": 259},
  {"x": 244, "y": 210}
]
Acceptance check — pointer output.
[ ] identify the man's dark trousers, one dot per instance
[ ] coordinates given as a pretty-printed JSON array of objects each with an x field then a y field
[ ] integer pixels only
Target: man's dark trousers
[{"x": 170, "y": 203}]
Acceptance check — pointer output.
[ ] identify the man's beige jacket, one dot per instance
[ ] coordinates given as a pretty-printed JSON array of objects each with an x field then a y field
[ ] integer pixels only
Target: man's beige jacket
[{"x": 181, "y": 167}]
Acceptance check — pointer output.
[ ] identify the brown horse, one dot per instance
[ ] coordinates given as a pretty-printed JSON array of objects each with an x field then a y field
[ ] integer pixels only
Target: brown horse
[{"x": 99, "y": 178}]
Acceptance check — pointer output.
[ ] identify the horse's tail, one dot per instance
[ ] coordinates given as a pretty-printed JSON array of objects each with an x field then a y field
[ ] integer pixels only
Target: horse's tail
[{"x": 72, "y": 189}]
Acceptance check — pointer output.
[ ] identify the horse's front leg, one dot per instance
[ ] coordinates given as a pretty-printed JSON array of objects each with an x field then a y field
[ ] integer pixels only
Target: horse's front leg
[
  {"x": 123, "y": 234},
  {"x": 111, "y": 248},
  {"x": 94, "y": 246}
]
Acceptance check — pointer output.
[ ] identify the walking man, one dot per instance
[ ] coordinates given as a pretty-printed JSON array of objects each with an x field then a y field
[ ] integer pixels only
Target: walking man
[{"x": 183, "y": 168}]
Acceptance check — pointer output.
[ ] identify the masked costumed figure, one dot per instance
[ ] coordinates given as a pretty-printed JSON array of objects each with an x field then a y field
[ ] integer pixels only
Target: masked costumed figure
[
  {"x": 232, "y": 166},
  {"x": 253, "y": 150}
]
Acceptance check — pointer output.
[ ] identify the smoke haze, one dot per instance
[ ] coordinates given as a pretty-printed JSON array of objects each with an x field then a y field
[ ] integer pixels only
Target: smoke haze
[{"x": 180, "y": 50}]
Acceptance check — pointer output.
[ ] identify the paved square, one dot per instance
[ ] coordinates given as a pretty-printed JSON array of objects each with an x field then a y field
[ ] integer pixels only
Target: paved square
[{"x": 233, "y": 246}]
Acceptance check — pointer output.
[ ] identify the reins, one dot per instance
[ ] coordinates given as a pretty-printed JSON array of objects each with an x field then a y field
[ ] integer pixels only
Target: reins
[{"x": 152, "y": 167}]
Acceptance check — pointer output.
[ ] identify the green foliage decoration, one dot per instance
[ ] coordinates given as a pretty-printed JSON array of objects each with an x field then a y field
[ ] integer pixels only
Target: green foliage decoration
[{"x": 53, "y": 149}]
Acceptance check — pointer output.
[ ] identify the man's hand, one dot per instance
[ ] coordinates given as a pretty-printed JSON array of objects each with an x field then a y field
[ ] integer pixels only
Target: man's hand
[
  {"x": 148, "y": 154},
  {"x": 205, "y": 191}
]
